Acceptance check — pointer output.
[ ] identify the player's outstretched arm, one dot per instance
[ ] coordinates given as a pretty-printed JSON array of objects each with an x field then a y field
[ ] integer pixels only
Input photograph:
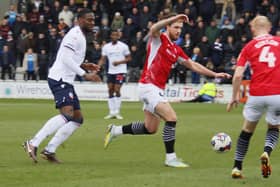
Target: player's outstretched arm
[
  {"x": 194, "y": 66},
  {"x": 155, "y": 29}
]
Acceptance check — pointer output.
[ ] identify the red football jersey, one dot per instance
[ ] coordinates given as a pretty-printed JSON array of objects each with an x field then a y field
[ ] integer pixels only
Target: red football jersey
[
  {"x": 161, "y": 55},
  {"x": 263, "y": 55}
]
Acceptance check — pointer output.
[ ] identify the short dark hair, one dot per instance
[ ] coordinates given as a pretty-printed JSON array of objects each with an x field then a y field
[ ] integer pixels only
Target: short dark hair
[{"x": 83, "y": 12}]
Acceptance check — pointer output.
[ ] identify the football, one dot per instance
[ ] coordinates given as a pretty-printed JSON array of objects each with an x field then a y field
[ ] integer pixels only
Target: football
[{"x": 221, "y": 142}]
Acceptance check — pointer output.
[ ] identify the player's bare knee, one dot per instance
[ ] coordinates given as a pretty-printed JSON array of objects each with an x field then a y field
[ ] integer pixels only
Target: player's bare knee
[
  {"x": 151, "y": 130},
  {"x": 171, "y": 118}
]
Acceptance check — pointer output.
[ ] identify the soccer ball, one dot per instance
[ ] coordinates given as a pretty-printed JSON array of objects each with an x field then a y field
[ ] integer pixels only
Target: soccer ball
[{"x": 221, "y": 142}]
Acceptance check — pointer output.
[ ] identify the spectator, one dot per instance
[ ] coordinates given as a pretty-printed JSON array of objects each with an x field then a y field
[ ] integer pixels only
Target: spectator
[
  {"x": 117, "y": 23},
  {"x": 135, "y": 65},
  {"x": 229, "y": 9},
  {"x": 30, "y": 64},
  {"x": 241, "y": 29},
  {"x": 47, "y": 14},
  {"x": 199, "y": 32},
  {"x": 227, "y": 29},
  {"x": 187, "y": 44},
  {"x": 7, "y": 63},
  {"x": 22, "y": 41},
  {"x": 22, "y": 7},
  {"x": 55, "y": 10},
  {"x": 129, "y": 30},
  {"x": 42, "y": 26},
  {"x": 217, "y": 52},
  {"x": 33, "y": 18},
  {"x": 179, "y": 6},
  {"x": 204, "y": 48},
  {"x": 38, "y": 4},
  {"x": 18, "y": 26},
  {"x": 229, "y": 49},
  {"x": 62, "y": 25},
  {"x": 145, "y": 17},
  {"x": 67, "y": 15},
  {"x": 31, "y": 41},
  {"x": 274, "y": 16},
  {"x": 263, "y": 8},
  {"x": 239, "y": 44},
  {"x": 207, "y": 93},
  {"x": 73, "y": 6},
  {"x": 42, "y": 43},
  {"x": 127, "y": 6},
  {"x": 4, "y": 28},
  {"x": 53, "y": 45},
  {"x": 105, "y": 30},
  {"x": 192, "y": 10},
  {"x": 43, "y": 64},
  {"x": 212, "y": 31},
  {"x": 11, "y": 43},
  {"x": 135, "y": 16},
  {"x": 197, "y": 58},
  {"x": 11, "y": 15}
]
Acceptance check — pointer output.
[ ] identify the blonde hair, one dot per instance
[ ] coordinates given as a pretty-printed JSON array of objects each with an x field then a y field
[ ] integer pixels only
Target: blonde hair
[{"x": 260, "y": 23}]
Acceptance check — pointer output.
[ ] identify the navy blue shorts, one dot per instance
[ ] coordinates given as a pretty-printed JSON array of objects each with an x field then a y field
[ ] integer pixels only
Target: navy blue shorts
[
  {"x": 64, "y": 94},
  {"x": 116, "y": 78}
]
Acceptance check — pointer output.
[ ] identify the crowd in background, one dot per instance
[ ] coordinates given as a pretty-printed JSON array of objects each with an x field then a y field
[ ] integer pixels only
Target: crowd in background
[{"x": 31, "y": 32}]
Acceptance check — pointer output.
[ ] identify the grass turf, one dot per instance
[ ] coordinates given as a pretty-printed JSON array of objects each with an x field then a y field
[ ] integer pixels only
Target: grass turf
[{"x": 130, "y": 160}]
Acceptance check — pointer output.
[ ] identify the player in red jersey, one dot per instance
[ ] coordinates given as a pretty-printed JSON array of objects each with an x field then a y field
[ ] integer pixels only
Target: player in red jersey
[
  {"x": 263, "y": 54},
  {"x": 162, "y": 53}
]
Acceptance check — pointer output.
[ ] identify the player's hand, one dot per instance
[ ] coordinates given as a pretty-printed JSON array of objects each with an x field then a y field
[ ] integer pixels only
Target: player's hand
[
  {"x": 91, "y": 66},
  {"x": 115, "y": 63},
  {"x": 223, "y": 75},
  {"x": 183, "y": 17},
  {"x": 231, "y": 104},
  {"x": 92, "y": 77}
]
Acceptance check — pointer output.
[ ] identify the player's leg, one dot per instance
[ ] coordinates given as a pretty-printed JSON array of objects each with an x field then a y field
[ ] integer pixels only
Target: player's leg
[
  {"x": 61, "y": 136},
  {"x": 119, "y": 80},
  {"x": 48, "y": 129},
  {"x": 271, "y": 140},
  {"x": 242, "y": 147},
  {"x": 118, "y": 100},
  {"x": 53, "y": 123},
  {"x": 111, "y": 99},
  {"x": 149, "y": 126},
  {"x": 272, "y": 134},
  {"x": 166, "y": 112},
  {"x": 150, "y": 96},
  {"x": 75, "y": 118}
]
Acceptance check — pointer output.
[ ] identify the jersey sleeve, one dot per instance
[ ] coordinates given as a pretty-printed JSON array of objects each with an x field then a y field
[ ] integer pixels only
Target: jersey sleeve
[
  {"x": 126, "y": 50},
  {"x": 71, "y": 42}
]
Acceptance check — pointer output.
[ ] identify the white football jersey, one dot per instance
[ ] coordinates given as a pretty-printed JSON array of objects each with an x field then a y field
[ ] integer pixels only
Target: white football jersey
[
  {"x": 116, "y": 52},
  {"x": 70, "y": 56}
]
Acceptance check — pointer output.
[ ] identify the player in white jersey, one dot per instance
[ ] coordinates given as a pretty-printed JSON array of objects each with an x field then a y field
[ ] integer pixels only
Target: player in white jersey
[
  {"x": 118, "y": 55},
  {"x": 69, "y": 63}
]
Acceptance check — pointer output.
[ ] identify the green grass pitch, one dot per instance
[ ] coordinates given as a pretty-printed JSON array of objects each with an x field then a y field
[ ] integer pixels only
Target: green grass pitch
[{"x": 130, "y": 161}]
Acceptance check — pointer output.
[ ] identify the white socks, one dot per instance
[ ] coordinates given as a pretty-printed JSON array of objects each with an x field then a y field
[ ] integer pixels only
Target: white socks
[
  {"x": 117, "y": 130},
  {"x": 118, "y": 102},
  {"x": 114, "y": 104},
  {"x": 49, "y": 128},
  {"x": 111, "y": 105},
  {"x": 61, "y": 135},
  {"x": 170, "y": 156}
]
